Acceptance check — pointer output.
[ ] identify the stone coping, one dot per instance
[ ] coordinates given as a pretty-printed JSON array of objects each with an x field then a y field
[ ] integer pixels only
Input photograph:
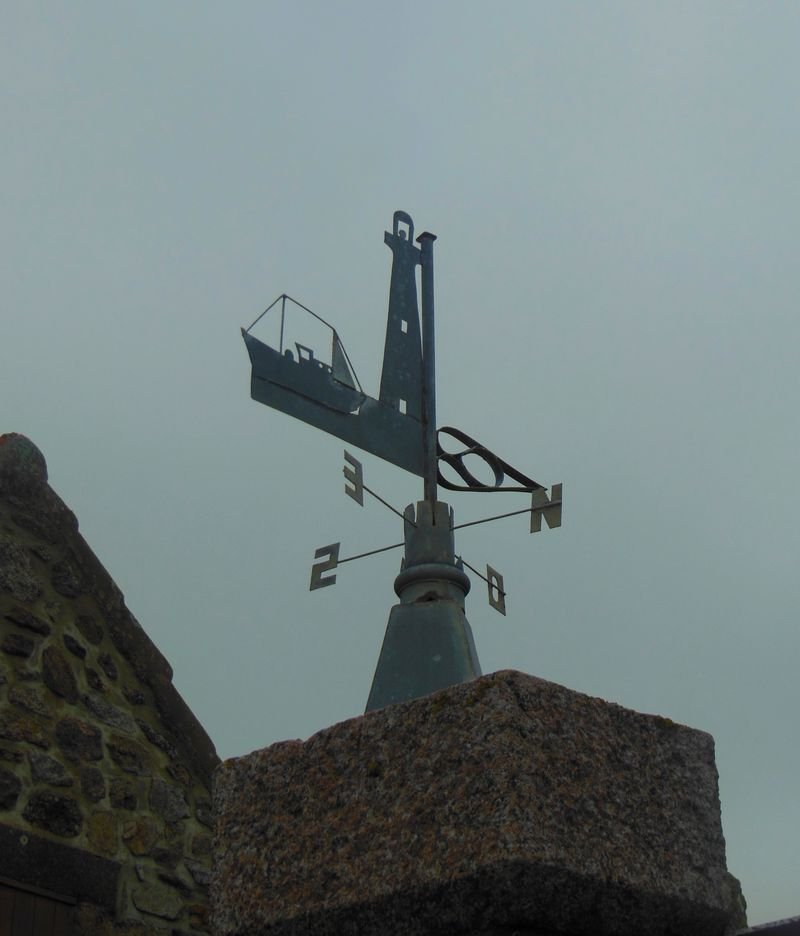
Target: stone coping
[{"x": 505, "y": 802}]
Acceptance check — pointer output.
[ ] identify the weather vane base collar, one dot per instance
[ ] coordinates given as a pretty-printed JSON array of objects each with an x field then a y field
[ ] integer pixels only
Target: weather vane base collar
[
  {"x": 428, "y": 643},
  {"x": 432, "y": 581},
  {"x": 430, "y": 571}
]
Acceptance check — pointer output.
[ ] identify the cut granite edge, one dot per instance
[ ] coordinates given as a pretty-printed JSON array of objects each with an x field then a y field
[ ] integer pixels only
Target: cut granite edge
[{"x": 510, "y": 895}]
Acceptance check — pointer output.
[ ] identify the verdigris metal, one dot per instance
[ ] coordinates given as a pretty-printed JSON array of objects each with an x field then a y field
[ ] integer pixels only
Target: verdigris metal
[
  {"x": 400, "y": 425},
  {"x": 428, "y": 643},
  {"x": 325, "y": 395},
  {"x": 499, "y": 468},
  {"x": 429, "y": 453}
]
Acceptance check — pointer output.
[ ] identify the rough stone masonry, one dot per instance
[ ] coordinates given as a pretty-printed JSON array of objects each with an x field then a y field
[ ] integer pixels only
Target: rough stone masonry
[
  {"x": 499, "y": 805},
  {"x": 105, "y": 773}
]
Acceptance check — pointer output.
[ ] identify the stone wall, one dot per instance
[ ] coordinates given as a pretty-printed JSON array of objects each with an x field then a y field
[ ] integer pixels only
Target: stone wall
[{"x": 105, "y": 774}]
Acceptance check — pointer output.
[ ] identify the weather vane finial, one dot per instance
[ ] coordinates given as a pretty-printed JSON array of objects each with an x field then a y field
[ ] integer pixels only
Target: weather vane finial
[{"x": 428, "y": 643}]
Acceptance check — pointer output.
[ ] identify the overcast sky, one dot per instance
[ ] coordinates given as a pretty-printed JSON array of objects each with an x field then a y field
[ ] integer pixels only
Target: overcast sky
[{"x": 614, "y": 188}]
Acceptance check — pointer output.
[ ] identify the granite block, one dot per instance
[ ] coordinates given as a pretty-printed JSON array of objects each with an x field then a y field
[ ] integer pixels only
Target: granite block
[{"x": 505, "y": 803}]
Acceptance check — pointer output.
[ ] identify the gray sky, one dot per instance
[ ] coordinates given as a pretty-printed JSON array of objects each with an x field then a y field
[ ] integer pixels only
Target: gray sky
[{"x": 614, "y": 191}]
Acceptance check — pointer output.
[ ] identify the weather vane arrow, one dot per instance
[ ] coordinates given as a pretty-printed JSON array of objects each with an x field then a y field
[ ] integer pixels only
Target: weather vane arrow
[{"x": 428, "y": 643}]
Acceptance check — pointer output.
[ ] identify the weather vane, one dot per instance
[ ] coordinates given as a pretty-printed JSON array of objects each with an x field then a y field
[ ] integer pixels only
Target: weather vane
[{"x": 428, "y": 643}]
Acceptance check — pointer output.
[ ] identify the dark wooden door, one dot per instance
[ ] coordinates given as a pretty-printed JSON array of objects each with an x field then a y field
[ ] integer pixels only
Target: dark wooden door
[{"x": 27, "y": 912}]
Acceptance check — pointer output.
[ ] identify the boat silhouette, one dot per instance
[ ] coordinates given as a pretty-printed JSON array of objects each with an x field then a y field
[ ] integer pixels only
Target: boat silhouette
[
  {"x": 328, "y": 395},
  {"x": 333, "y": 385}
]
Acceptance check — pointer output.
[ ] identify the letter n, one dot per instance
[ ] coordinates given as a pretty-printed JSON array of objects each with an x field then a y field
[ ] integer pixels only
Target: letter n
[{"x": 549, "y": 508}]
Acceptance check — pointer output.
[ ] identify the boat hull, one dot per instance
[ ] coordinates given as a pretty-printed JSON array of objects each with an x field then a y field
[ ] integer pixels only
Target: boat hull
[{"x": 308, "y": 392}]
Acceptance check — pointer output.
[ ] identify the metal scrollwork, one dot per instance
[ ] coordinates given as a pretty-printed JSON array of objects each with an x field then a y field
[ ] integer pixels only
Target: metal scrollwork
[{"x": 497, "y": 466}]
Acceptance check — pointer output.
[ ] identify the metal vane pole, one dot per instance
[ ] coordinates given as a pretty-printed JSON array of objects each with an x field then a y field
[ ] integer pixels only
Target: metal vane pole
[{"x": 425, "y": 241}]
